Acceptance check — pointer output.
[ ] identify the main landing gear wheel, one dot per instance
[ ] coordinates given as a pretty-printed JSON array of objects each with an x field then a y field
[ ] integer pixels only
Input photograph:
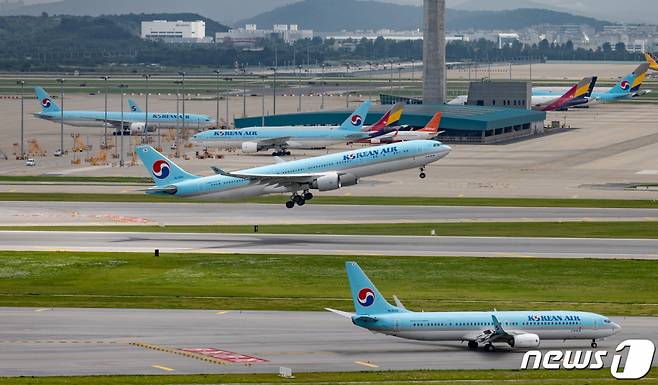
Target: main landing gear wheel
[
  {"x": 290, "y": 204},
  {"x": 308, "y": 196},
  {"x": 594, "y": 345},
  {"x": 489, "y": 348},
  {"x": 281, "y": 153},
  {"x": 472, "y": 345}
]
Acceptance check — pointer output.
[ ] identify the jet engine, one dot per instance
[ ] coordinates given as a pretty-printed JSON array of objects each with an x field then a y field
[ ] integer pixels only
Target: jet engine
[
  {"x": 137, "y": 128},
  {"x": 249, "y": 147},
  {"x": 333, "y": 181},
  {"x": 527, "y": 340}
]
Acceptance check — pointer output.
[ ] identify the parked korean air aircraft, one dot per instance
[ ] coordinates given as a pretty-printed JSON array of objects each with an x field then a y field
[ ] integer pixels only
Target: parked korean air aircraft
[
  {"x": 430, "y": 131},
  {"x": 133, "y": 122},
  {"x": 554, "y": 100},
  {"x": 627, "y": 88},
  {"x": 518, "y": 329},
  {"x": 255, "y": 139},
  {"x": 322, "y": 173}
]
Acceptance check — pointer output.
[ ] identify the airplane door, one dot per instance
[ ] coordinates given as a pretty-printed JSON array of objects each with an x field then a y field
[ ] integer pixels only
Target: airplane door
[{"x": 396, "y": 327}]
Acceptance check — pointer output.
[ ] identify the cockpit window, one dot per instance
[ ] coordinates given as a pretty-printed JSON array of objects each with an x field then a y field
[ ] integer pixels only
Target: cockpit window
[{"x": 607, "y": 321}]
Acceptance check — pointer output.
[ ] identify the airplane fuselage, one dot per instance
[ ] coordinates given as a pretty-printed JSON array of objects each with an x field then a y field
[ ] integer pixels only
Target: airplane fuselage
[
  {"x": 264, "y": 138},
  {"x": 465, "y": 326},
  {"x": 155, "y": 119},
  {"x": 356, "y": 164}
]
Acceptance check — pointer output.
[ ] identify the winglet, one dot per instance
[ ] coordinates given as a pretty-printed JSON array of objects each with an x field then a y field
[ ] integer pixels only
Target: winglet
[
  {"x": 497, "y": 325},
  {"x": 218, "y": 171}
]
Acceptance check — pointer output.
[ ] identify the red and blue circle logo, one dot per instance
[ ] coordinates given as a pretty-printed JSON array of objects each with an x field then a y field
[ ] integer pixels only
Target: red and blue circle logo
[
  {"x": 366, "y": 297},
  {"x": 161, "y": 169},
  {"x": 625, "y": 85},
  {"x": 46, "y": 103},
  {"x": 133, "y": 108},
  {"x": 356, "y": 120}
]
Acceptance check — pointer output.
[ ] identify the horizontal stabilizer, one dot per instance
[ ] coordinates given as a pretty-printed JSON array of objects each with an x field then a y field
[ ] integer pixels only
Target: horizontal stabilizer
[{"x": 340, "y": 312}]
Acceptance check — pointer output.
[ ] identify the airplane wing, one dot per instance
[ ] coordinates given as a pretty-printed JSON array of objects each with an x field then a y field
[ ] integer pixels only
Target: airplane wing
[
  {"x": 273, "y": 142},
  {"x": 490, "y": 336},
  {"x": 280, "y": 179},
  {"x": 340, "y": 312}
]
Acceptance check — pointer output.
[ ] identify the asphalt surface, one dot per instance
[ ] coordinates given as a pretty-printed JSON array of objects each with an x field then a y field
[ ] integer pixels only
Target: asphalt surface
[
  {"x": 52, "y": 213},
  {"x": 330, "y": 244},
  {"x": 97, "y": 341}
]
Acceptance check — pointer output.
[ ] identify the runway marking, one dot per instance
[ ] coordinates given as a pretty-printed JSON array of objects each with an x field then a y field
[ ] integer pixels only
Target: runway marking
[
  {"x": 366, "y": 363},
  {"x": 222, "y": 312},
  {"x": 227, "y": 356},
  {"x": 40, "y": 310},
  {"x": 166, "y": 369}
]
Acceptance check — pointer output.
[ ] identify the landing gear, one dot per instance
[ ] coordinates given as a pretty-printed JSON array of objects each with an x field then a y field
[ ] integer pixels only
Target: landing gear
[
  {"x": 472, "y": 345},
  {"x": 594, "y": 345},
  {"x": 422, "y": 173},
  {"x": 299, "y": 200},
  {"x": 281, "y": 153},
  {"x": 489, "y": 348}
]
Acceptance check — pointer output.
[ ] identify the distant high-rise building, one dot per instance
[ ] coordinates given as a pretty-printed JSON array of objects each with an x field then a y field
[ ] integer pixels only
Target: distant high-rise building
[{"x": 174, "y": 31}]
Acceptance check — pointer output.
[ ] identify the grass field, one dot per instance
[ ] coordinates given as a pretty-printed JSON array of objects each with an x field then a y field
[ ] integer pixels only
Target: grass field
[
  {"x": 636, "y": 230},
  {"x": 284, "y": 282},
  {"x": 346, "y": 200},
  {"x": 489, "y": 377}
]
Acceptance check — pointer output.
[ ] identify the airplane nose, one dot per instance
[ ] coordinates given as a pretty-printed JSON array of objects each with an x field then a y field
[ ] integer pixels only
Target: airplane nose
[{"x": 615, "y": 327}]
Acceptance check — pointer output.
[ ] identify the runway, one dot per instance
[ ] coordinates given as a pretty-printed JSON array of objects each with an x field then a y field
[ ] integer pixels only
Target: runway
[
  {"x": 70, "y": 213},
  {"x": 39, "y": 342},
  {"x": 330, "y": 244}
]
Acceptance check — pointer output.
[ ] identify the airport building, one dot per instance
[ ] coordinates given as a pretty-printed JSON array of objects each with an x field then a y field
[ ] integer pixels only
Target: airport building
[
  {"x": 462, "y": 124},
  {"x": 250, "y": 36},
  {"x": 175, "y": 31}
]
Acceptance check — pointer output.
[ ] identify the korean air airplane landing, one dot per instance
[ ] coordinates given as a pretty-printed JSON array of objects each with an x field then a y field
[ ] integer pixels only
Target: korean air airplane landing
[
  {"x": 134, "y": 120},
  {"x": 322, "y": 173},
  {"x": 517, "y": 329}
]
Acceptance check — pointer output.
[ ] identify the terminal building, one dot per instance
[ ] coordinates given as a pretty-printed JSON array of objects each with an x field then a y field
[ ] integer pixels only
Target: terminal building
[
  {"x": 175, "y": 31},
  {"x": 462, "y": 124}
]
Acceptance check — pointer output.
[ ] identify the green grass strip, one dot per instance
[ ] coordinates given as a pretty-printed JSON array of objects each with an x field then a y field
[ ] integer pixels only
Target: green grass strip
[
  {"x": 345, "y": 200},
  {"x": 634, "y": 230},
  {"x": 490, "y": 377},
  {"x": 294, "y": 282}
]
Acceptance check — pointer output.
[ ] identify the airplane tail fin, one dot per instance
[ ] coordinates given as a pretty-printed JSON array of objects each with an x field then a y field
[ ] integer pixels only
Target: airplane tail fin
[
  {"x": 358, "y": 117},
  {"x": 632, "y": 82},
  {"x": 133, "y": 106},
  {"x": 391, "y": 117},
  {"x": 46, "y": 102},
  {"x": 580, "y": 90},
  {"x": 366, "y": 297},
  {"x": 162, "y": 170},
  {"x": 433, "y": 125},
  {"x": 651, "y": 59}
]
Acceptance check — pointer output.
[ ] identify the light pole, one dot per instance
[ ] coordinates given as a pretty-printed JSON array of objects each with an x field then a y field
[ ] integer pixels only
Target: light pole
[
  {"x": 322, "y": 88},
  {"x": 244, "y": 92},
  {"x": 227, "y": 97},
  {"x": 182, "y": 74},
  {"x": 299, "y": 86},
  {"x": 178, "y": 115},
  {"x": 347, "y": 86},
  {"x": 391, "y": 80},
  {"x": 369, "y": 80},
  {"x": 262, "y": 120},
  {"x": 217, "y": 72},
  {"x": 146, "y": 122},
  {"x": 121, "y": 130},
  {"x": 22, "y": 84},
  {"x": 61, "y": 115},
  {"x": 413, "y": 70},
  {"x": 400, "y": 79},
  {"x": 106, "y": 78},
  {"x": 274, "y": 92}
]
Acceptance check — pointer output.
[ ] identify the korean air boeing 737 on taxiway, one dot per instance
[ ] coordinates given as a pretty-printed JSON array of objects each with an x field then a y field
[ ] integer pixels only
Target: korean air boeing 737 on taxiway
[
  {"x": 255, "y": 139},
  {"x": 134, "y": 121},
  {"x": 322, "y": 173},
  {"x": 518, "y": 329}
]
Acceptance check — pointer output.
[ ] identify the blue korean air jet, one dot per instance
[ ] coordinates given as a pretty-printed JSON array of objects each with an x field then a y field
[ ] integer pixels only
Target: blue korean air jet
[
  {"x": 627, "y": 88},
  {"x": 133, "y": 121},
  {"x": 518, "y": 329},
  {"x": 322, "y": 173},
  {"x": 255, "y": 139}
]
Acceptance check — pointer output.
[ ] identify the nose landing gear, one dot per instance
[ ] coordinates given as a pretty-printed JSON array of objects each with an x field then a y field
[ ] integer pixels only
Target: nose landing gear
[
  {"x": 594, "y": 345},
  {"x": 281, "y": 153},
  {"x": 422, "y": 173}
]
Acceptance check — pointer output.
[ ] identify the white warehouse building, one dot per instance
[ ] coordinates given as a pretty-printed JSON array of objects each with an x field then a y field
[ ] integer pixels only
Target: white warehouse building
[{"x": 174, "y": 31}]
